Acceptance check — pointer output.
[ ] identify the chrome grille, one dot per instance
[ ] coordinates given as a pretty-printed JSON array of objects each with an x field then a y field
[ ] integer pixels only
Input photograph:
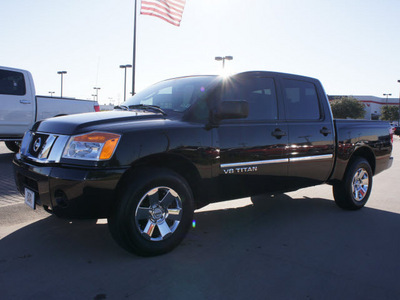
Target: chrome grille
[{"x": 43, "y": 147}]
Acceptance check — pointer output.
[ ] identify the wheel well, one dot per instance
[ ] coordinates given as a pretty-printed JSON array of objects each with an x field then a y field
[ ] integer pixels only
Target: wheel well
[
  {"x": 173, "y": 162},
  {"x": 365, "y": 153}
]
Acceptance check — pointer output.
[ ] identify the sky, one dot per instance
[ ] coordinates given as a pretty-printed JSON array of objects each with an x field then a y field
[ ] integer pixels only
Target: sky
[{"x": 351, "y": 46}]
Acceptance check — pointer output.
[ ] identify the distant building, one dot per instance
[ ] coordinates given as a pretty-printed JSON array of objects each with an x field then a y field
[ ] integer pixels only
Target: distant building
[{"x": 372, "y": 104}]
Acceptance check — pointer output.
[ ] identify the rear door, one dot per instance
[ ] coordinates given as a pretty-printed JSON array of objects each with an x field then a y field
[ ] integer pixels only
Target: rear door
[
  {"x": 252, "y": 150},
  {"x": 311, "y": 131},
  {"x": 17, "y": 107}
]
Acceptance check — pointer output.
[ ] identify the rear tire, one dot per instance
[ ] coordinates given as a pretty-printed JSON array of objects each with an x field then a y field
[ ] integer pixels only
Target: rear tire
[
  {"x": 13, "y": 146},
  {"x": 353, "y": 191},
  {"x": 154, "y": 212}
]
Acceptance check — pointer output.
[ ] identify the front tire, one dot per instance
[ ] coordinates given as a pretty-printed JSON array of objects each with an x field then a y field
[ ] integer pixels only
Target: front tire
[
  {"x": 353, "y": 192},
  {"x": 13, "y": 146},
  {"x": 154, "y": 212}
]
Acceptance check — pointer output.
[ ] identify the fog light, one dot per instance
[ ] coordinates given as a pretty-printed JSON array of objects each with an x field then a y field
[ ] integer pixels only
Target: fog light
[{"x": 61, "y": 199}]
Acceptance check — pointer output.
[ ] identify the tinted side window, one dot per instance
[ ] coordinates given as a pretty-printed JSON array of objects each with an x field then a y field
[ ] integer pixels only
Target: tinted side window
[
  {"x": 301, "y": 100},
  {"x": 12, "y": 83},
  {"x": 258, "y": 92}
]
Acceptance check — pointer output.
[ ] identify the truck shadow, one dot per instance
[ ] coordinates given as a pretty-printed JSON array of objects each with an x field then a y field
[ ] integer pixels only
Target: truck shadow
[
  {"x": 6, "y": 157},
  {"x": 276, "y": 239},
  {"x": 272, "y": 221}
]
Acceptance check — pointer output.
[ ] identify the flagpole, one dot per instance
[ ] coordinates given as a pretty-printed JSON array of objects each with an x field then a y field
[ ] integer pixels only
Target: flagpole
[{"x": 134, "y": 51}]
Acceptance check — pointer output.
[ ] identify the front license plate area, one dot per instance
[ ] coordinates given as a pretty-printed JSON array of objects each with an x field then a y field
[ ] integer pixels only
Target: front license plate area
[{"x": 30, "y": 198}]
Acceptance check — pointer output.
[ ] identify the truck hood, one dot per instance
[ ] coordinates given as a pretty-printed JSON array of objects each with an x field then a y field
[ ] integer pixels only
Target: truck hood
[{"x": 101, "y": 121}]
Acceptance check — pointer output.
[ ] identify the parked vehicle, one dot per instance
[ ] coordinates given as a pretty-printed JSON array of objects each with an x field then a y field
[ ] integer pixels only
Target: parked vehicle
[
  {"x": 186, "y": 142},
  {"x": 21, "y": 108}
]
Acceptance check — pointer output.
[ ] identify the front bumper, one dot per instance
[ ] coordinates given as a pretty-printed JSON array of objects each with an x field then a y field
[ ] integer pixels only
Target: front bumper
[{"x": 69, "y": 191}]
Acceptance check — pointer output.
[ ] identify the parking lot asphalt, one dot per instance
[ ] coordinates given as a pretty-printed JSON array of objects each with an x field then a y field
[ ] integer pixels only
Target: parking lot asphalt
[
  {"x": 9, "y": 194},
  {"x": 299, "y": 245}
]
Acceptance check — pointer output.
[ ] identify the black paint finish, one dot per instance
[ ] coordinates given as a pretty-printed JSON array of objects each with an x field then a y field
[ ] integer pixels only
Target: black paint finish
[{"x": 274, "y": 149}]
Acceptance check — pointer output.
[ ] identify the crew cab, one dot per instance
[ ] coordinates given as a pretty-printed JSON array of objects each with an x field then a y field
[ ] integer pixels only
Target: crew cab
[
  {"x": 185, "y": 142},
  {"x": 21, "y": 108}
]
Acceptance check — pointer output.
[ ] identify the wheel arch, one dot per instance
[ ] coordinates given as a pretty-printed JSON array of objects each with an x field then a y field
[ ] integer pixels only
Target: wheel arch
[
  {"x": 362, "y": 152},
  {"x": 345, "y": 160},
  {"x": 367, "y": 154},
  {"x": 174, "y": 162}
]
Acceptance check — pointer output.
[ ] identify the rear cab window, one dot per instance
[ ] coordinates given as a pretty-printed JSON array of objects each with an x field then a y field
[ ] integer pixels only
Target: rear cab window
[{"x": 301, "y": 100}]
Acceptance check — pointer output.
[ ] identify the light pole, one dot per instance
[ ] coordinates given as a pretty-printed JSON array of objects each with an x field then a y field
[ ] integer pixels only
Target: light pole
[
  {"x": 51, "y": 94},
  {"x": 219, "y": 58},
  {"x": 398, "y": 121},
  {"x": 62, "y": 74},
  {"x": 387, "y": 95},
  {"x": 125, "y": 67},
  {"x": 134, "y": 50},
  {"x": 97, "y": 93}
]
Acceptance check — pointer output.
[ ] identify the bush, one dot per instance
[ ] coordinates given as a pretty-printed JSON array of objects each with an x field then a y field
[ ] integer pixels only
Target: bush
[{"x": 347, "y": 107}]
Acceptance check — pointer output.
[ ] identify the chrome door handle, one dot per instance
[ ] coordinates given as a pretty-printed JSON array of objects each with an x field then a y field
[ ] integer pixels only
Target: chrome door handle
[
  {"x": 24, "y": 101},
  {"x": 278, "y": 133},
  {"x": 325, "y": 131}
]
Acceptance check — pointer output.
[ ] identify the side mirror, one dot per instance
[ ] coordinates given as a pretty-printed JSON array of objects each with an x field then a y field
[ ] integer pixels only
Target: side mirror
[{"x": 232, "y": 110}]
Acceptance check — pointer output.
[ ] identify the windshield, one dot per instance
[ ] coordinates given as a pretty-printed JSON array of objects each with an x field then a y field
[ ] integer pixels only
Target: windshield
[{"x": 174, "y": 94}]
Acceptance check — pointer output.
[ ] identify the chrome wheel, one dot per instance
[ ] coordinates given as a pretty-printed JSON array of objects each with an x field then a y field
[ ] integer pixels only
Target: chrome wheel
[
  {"x": 360, "y": 184},
  {"x": 158, "y": 213},
  {"x": 154, "y": 211}
]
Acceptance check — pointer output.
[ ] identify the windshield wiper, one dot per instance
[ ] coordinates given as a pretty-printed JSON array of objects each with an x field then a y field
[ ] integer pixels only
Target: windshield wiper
[
  {"x": 123, "y": 107},
  {"x": 148, "y": 107}
]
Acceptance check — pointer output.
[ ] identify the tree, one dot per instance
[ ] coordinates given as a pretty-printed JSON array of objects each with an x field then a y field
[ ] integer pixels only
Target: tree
[
  {"x": 389, "y": 113},
  {"x": 347, "y": 107}
]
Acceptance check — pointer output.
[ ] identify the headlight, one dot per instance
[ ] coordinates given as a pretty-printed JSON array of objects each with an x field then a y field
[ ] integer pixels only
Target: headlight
[{"x": 92, "y": 146}]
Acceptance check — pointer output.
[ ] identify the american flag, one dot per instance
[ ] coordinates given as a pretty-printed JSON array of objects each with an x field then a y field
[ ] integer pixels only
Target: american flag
[{"x": 168, "y": 10}]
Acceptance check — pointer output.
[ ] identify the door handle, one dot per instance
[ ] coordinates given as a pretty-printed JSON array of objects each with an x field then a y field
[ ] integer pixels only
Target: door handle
[
  {"x": 325, "y": 131},
  {"x": 278, "y": 133},
  {"x": 24, "y": 101}
]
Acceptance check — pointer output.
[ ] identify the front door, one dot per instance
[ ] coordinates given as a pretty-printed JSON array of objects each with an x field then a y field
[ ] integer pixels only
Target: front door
[{"x": 253, "y": 150}]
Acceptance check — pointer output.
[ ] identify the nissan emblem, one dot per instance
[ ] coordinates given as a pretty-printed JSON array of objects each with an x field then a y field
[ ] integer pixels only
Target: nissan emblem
[{"x": 37, "y": 144}]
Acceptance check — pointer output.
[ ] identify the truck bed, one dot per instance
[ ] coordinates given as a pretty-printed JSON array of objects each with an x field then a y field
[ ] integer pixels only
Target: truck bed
[{"x": 352, "y": 135}]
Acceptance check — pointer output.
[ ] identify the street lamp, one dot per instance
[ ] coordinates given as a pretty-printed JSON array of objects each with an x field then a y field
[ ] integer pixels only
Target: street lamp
[
  {"x": 97, "y": 93},
  {"x": 398, "y": 121},
  {"x": 51, "y": 94},
  {"x": 387, "y": 95},
  {"x": 125, "y": 67},
  {"x": 62, "y": 74},
  {"x": 219, "y": 58}
]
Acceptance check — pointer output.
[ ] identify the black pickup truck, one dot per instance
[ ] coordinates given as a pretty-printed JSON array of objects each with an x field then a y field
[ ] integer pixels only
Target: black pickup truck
[{"x": 186, "y": 142}]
